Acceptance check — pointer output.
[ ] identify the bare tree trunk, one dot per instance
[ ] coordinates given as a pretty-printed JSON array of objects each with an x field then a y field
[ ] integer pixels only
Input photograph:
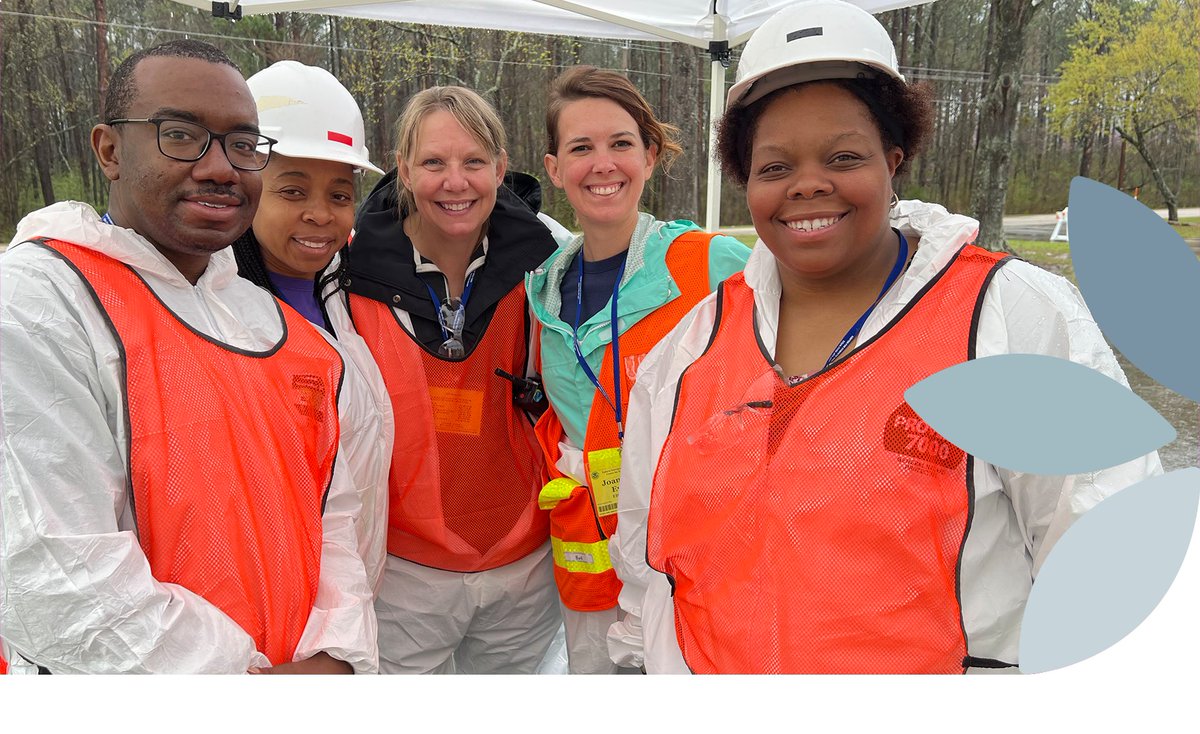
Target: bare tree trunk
[
  {"x": 1137, "y": 138},
  {"x": 8, "y": 193},
  {"x": 375, "y": 94},
  {"x": 681, "y": 186},
  {"x": 71, "y": 141},
  {"x": 1121, "y": 164},
  {"x": 334, "y": 60},
  {"x": 1085, "y": 156},
  {"x": 964, "y": 161},
  {"x": 998, "y": 119},
  {"x": 42, "y": 155},
  {"x": 101, "y": 55},
  {"x": 1105, "y": 147}
]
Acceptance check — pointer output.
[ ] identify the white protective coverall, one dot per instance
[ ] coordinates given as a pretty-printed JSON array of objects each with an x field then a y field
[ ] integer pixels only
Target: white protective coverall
[
  {"x": 1017, "y": 517},
  {"x": 367, "y": 444},
  {"x": 77, "y": 591}
]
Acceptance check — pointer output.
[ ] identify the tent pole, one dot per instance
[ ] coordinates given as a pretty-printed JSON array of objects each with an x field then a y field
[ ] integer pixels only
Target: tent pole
[
  {"x": 716, "y": 108},
  {"x": 719, "y": 52}
]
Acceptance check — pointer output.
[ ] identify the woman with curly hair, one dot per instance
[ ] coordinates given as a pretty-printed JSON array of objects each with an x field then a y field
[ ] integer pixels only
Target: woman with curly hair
[{"x": 782, "y": 508}]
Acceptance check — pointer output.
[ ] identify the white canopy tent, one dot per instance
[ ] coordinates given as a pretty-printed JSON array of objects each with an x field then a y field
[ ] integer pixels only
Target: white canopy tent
[{"x": 713, "y": 25}]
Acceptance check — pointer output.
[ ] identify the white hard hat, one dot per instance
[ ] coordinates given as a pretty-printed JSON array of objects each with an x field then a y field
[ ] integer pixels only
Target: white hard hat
[
  {"x": 809, "y": 41},
  {"x": 310, "y": 113}
]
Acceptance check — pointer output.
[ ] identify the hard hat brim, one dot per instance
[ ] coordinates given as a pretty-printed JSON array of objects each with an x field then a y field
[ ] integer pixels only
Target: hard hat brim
[
  {"x": 750, "y": 90},
  {"x": 326, "y": 153}
]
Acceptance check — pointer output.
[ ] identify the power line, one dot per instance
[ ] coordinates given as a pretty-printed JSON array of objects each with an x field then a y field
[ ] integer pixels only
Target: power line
[
  {"x": 955, "y": 75},
  {"x": 299, "y": 44},
  {"x": 967, "y": 75}
]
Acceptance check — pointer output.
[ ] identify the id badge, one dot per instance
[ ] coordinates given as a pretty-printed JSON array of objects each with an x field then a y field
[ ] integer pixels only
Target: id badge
[{"x": 604, "y": 470}]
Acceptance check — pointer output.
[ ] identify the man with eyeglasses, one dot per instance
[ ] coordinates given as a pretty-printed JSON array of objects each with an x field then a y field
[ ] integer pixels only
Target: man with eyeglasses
[{"x": 172, "y": 496}]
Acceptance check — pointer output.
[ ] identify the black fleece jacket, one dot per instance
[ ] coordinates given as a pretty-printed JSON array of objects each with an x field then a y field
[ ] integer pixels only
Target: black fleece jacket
[{"x": 381, "y": 265}]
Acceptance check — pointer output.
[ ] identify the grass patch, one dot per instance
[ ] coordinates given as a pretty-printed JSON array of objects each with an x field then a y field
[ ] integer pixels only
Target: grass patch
[
  {"x": 1052, "y": 256},
  {"x": 1188, "y": 227}
]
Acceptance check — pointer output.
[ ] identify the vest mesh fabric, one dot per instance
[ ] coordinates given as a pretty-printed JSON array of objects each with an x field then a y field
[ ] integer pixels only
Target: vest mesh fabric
[
  {"x": 575, "y": 519},
  {"x": 817, "y": 528},
  {"x": 466, "y": 467},
  {"x": 231, "y": 455}
]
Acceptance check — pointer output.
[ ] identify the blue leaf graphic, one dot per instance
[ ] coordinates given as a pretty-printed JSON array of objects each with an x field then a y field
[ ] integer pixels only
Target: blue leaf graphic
[
  {"x": 1141, "y": 283},
  {"x": 1038, "y": 414},
  {"x": 1109, "y": 571}
]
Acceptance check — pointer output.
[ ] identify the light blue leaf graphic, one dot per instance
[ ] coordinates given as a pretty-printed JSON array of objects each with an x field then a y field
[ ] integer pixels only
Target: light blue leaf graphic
[
  {"x": 1141, "y": 283},
  {"x": 1109, "y": 571},
  {"x": 1038, "y": 414}
]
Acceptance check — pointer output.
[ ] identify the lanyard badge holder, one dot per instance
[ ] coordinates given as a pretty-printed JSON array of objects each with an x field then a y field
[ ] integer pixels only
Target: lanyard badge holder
[
  {"x": 452, "y": 317},
  {"x": 604, "y": 465},
  {"x": 852, "y": 334}
]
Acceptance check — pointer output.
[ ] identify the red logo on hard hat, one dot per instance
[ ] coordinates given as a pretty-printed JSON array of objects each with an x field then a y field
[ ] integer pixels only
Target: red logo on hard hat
[{"x": 339, "y": 138}]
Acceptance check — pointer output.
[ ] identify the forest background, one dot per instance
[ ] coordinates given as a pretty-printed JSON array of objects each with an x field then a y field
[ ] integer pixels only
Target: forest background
[{"x": 1101, "y": 88}]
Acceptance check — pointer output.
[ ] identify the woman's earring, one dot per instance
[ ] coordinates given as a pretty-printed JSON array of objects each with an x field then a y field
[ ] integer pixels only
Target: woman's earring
[{"x": 895, "y": 200}]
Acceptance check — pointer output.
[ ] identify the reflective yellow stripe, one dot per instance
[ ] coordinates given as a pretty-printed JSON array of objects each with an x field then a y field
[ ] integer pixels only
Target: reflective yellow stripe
[
  {"x": 555, "y": 491},
  {"x": 581, "y": 557}
]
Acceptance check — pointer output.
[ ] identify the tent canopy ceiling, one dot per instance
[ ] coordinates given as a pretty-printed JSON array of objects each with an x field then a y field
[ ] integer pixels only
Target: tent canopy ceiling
[{"x": 694, "y": 22}]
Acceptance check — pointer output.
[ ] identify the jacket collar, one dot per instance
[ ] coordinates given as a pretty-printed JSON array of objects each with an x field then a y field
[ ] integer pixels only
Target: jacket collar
[
  {"x": 381, "y": 261},
  {"x": 646, "y": 285},
  {"x": 78, "y": 223}
]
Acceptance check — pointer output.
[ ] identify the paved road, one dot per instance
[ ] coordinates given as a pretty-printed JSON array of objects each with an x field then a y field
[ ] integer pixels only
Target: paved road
[
  {"x": 1040, "y": 226},
  {"x": 1022, "y": 227}
]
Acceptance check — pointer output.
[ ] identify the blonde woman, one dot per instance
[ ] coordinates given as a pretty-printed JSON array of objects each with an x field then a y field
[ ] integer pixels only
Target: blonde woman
[{"x": 436, "y": 291}]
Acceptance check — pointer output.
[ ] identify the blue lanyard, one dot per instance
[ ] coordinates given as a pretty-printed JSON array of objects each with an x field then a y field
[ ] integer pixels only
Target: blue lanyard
[
  {"x": 901, "y": 257},
  {"x": 437, "y": 307},
  {"x": 616, "y": 345},
  {"x": 106, "y": 218}
]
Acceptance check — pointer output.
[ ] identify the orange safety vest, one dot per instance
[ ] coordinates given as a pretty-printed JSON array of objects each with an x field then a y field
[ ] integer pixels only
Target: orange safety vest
[
  {"x": 231, "y": 454},
  {"x": 466, "y": 467},
  {"x": 818, "y": 528},
  {"x": 579, "y": 529}
]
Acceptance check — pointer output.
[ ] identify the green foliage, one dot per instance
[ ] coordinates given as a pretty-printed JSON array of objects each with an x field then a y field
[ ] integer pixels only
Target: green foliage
[
  {"x": 917, "y": 191},
  {"x": 68, "y": 186},
  {"x": 1131, "y": 62}
]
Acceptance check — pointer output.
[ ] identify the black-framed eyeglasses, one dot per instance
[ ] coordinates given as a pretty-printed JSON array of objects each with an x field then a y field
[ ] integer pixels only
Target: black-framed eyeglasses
[{"x": 181, "y": 140}]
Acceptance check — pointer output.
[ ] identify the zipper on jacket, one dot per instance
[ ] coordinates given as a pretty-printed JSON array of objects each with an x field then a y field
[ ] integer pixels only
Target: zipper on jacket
[{"x": 213, "y": 328}]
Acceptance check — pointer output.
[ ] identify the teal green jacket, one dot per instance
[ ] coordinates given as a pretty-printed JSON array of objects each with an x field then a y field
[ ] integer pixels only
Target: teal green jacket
[{"x": 645, "y": 286}]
